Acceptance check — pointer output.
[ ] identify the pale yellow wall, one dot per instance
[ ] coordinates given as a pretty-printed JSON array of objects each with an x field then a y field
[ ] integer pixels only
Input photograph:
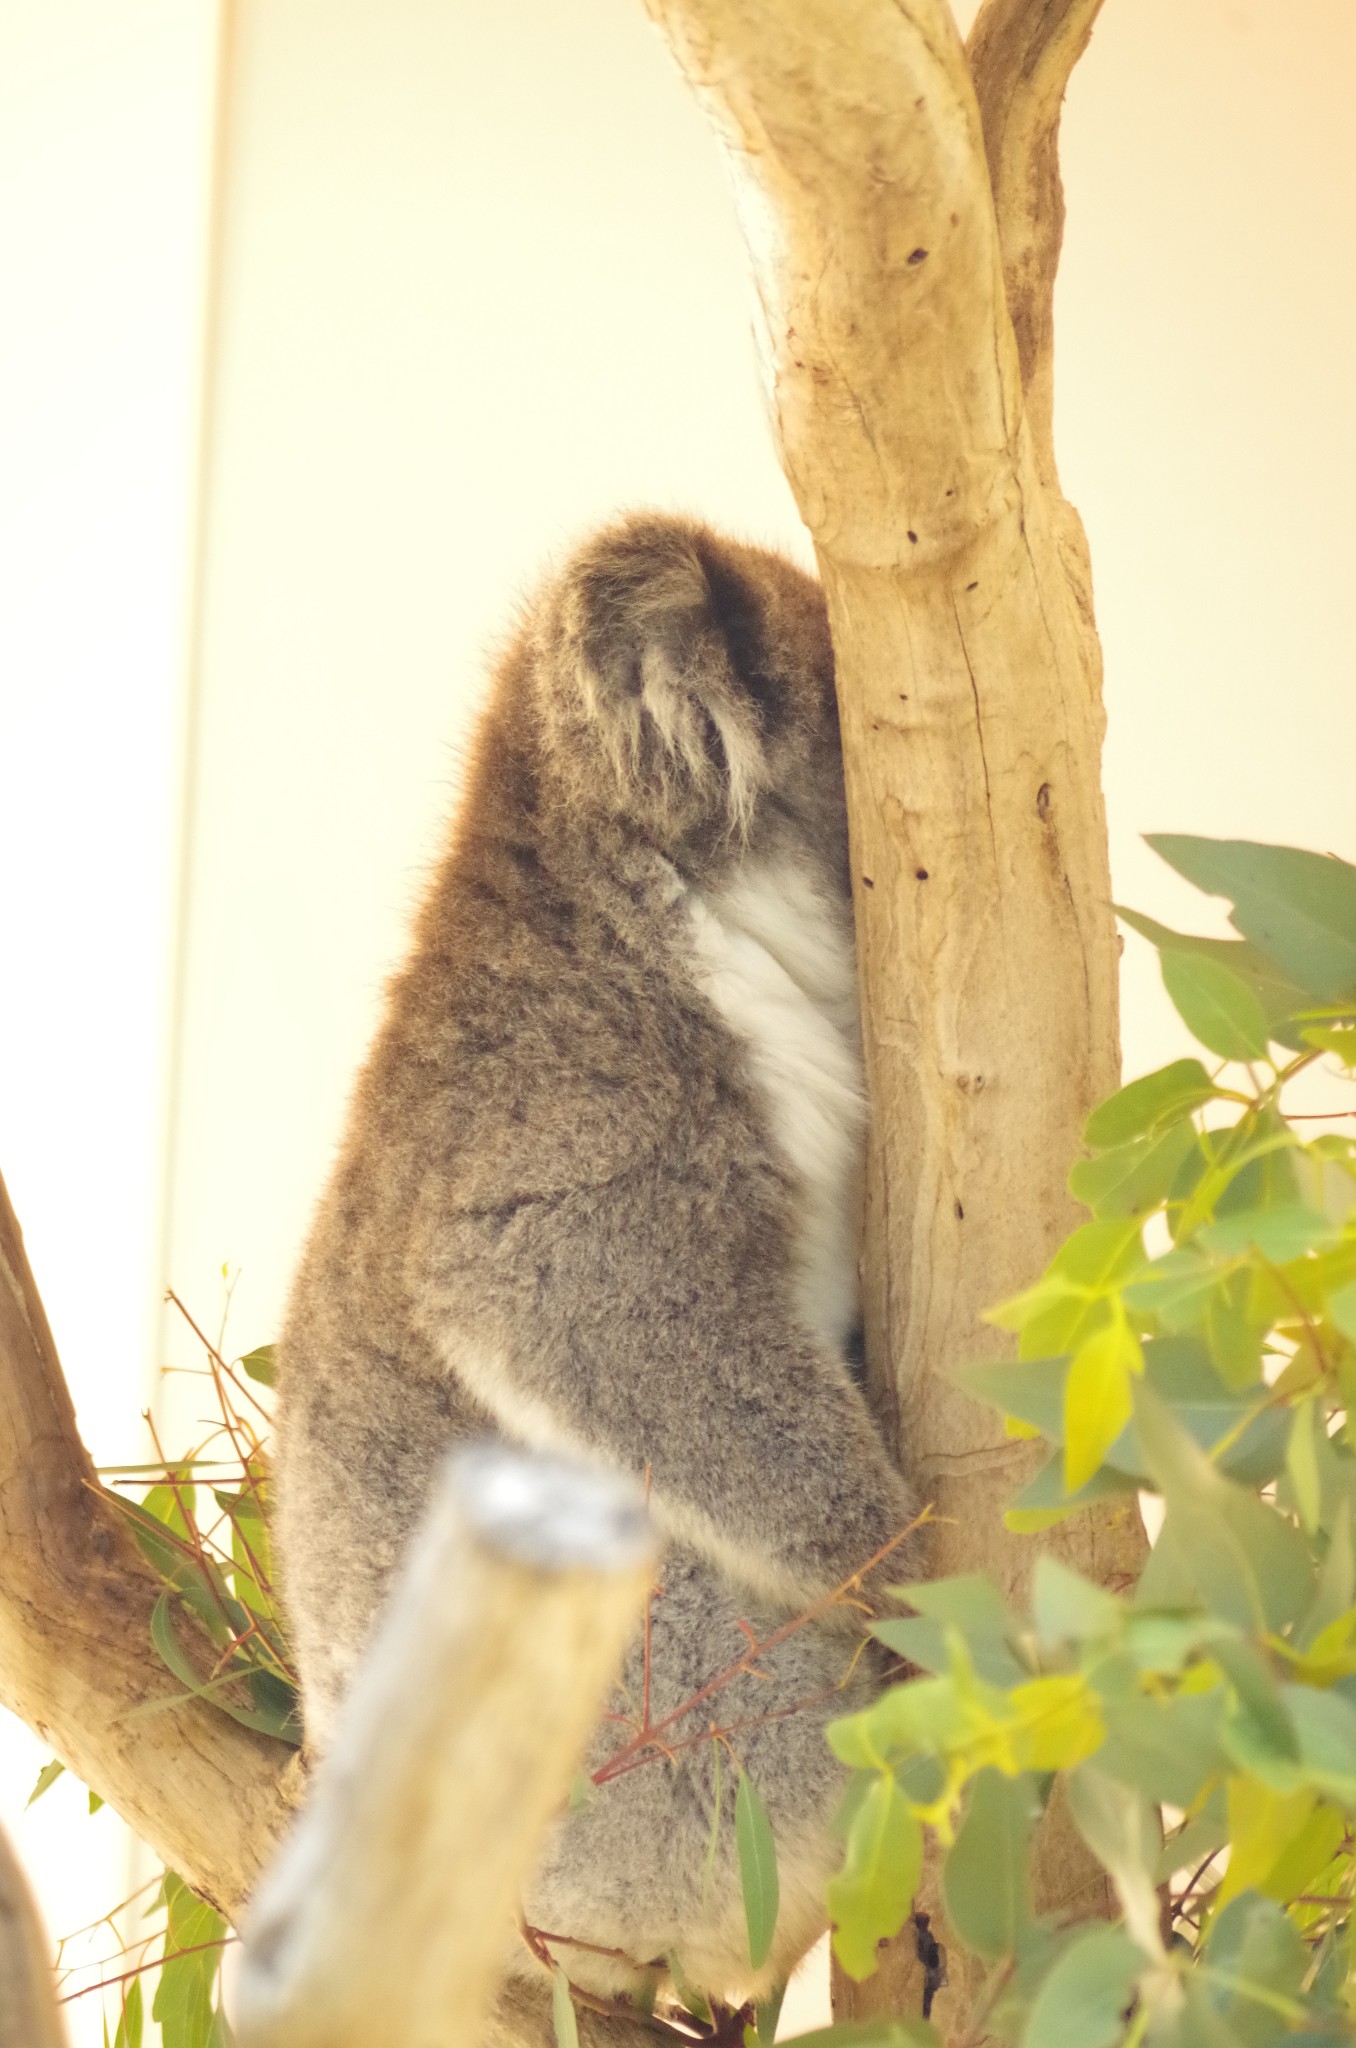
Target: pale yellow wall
[{"x": 104, "y": 118}]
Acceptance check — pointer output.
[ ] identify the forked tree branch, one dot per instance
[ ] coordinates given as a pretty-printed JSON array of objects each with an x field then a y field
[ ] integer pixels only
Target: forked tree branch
[
  {"x": 1022, "y": 54},
  {"x": 76, "y": 1660},
  {"x": 915, "y": 432}
]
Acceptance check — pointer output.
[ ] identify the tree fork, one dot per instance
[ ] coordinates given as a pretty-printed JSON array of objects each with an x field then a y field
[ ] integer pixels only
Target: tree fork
[
  {"x": 76, "y": 1661},
  {"x": 903, "y": 217}
]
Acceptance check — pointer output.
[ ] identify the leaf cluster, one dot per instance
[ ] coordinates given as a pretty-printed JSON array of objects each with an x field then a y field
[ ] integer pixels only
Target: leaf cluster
[{"x": 1193, "y": 1339}]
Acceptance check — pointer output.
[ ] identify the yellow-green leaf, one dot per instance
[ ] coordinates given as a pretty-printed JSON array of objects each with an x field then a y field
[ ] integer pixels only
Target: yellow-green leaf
[
  {"x": 1301, "y": 1464},
  {"x": 1097, "y": 1400},
  {"x": 872, "y": 1894}
]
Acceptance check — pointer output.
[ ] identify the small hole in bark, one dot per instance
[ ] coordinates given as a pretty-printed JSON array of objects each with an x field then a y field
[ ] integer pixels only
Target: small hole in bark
[
  {"x": 1043, "y": 801},
  {"x": 913, "y": 536},
  {"x": 960, "y": 1213},
  {"x": 920, "y": 874},
  {"x": 867, "y": 882},
  {"x": 972, "y": 586},
  {"x": 918, "y": 256}
]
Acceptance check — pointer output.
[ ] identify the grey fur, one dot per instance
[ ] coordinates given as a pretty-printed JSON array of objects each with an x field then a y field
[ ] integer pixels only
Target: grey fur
[{"x": 561, "y": 1212}]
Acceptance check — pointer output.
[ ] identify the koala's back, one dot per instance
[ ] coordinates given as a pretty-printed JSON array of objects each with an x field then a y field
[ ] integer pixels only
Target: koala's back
[{"x": 598, "y": 1191}]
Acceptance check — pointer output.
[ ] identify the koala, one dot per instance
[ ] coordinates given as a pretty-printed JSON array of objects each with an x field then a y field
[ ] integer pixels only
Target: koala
[{"x": 599, "y": 1192}]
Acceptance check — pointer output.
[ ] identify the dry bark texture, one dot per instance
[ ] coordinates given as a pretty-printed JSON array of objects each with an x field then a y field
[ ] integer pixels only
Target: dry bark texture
[
  {"x": 76, "y": 1661},
  {"x": 900, "y": 228}
]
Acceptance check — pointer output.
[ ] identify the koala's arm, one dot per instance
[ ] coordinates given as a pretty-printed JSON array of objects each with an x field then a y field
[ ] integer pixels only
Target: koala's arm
[{"x": 673, "y": 1350}]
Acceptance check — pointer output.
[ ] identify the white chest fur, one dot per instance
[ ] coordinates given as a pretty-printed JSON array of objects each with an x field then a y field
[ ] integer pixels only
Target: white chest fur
[{"x": 774, "y": 954}]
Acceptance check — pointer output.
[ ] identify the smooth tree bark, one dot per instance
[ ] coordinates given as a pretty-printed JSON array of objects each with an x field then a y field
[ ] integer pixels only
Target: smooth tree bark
[
  {"x": 902, "y": 209},
  {"x": 901, "y": 203}
]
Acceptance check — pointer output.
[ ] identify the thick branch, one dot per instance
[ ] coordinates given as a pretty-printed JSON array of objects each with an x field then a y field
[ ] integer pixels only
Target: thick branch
[
  {"x": 76, "y": 1661},
  {"x": 1022, "y": 54},
  {"x": 390, "y": 1911},
  {"x": 855, "y": 149}
]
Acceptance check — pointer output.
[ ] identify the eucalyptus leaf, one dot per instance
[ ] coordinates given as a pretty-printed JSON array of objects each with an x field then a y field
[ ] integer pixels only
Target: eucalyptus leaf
[
  {"x": 1298, "y": 907},
  {"x": 1167, "y": 1748},
  {"x": 1279, "y": 997},
  {"x": 757, "y": 1869},
  {"x": 1083, "y": 2001},
  {"x": 47, "y": 1777},
  {"x": 186, "y": 1996},
  {"x": 564, "y": 2022},
  {"x": 1147, "y": 1104},
  {"x": 872, "y": 1895},
  {"x": 260, "y": 1365},
  {"x": 986, "y": 1882},
  {"x": 1216, "y": 1007},
  {"x": 1134, "y": 1178}
]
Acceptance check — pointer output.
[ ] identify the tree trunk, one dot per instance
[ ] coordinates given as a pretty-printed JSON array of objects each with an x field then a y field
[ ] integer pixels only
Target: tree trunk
[{"x": 904, "y": 279}]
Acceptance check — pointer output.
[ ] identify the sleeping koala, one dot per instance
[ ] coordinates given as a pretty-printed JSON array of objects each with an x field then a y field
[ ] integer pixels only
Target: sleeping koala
[{"x": 599, "y": 1192}]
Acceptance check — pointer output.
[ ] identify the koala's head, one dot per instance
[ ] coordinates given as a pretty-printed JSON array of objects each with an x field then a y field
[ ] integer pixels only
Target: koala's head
[{"x": 685, "y": 685}]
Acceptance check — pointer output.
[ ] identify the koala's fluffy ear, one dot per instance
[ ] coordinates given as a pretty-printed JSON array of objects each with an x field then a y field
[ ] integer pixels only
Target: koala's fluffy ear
[{"x": 654, "y": 679}]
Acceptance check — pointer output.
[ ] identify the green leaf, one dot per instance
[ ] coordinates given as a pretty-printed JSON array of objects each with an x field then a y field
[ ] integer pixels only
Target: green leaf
[
  {"x": 1149, "y": 1103},
  {"x": 1097, "y": 1401},
  {"x": 1301, "y": 1463},
  {"x": 1216, "y": 1007},
  {"x": 1253, "y": 1959},
  {"x": 1325, "y": 1724},
  {"x": 1248, "y": 1564},
  {"x": 1044, "y": 1500},
  {"x": 970, "y": 1602},
  {"x": 767, "y": 2012},
  {"x": 1280, "y": 1234},
  {"x": 1179, "y": 1368},
  {"x": 1279, "y": 997},
  {"x": 95, "y": 1802},
  {"x": 1299, "y": 907},
  {"x": 1067, "y": 1608},
  {"x": 872, "y": 1895},
  {"x": 1082, "y": 2003},
  {"x": 563, "y": 2020},
  {"x": 47, "y": 1777},
  {"x": 131, "y": 2021},
  {"x": 1134, "y": 1178},
  {"x": 185, "y": 1996},
  {"x": 1125, "y": 1834},
  {"x": 278, "y": 1714},
  {"x": 691, "y": 1999},
  {"x": 757, "y": 1869},
  {"x": 986, "y": 1882},
  {"x": 1168, "y": 1747},
  {"x": 1336, "y": 1593},
  {"x": 260, "y": 1365}
]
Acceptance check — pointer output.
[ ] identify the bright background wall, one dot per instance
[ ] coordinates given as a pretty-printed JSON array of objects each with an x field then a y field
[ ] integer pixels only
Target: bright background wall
[{"x": 475, "y": 285}]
